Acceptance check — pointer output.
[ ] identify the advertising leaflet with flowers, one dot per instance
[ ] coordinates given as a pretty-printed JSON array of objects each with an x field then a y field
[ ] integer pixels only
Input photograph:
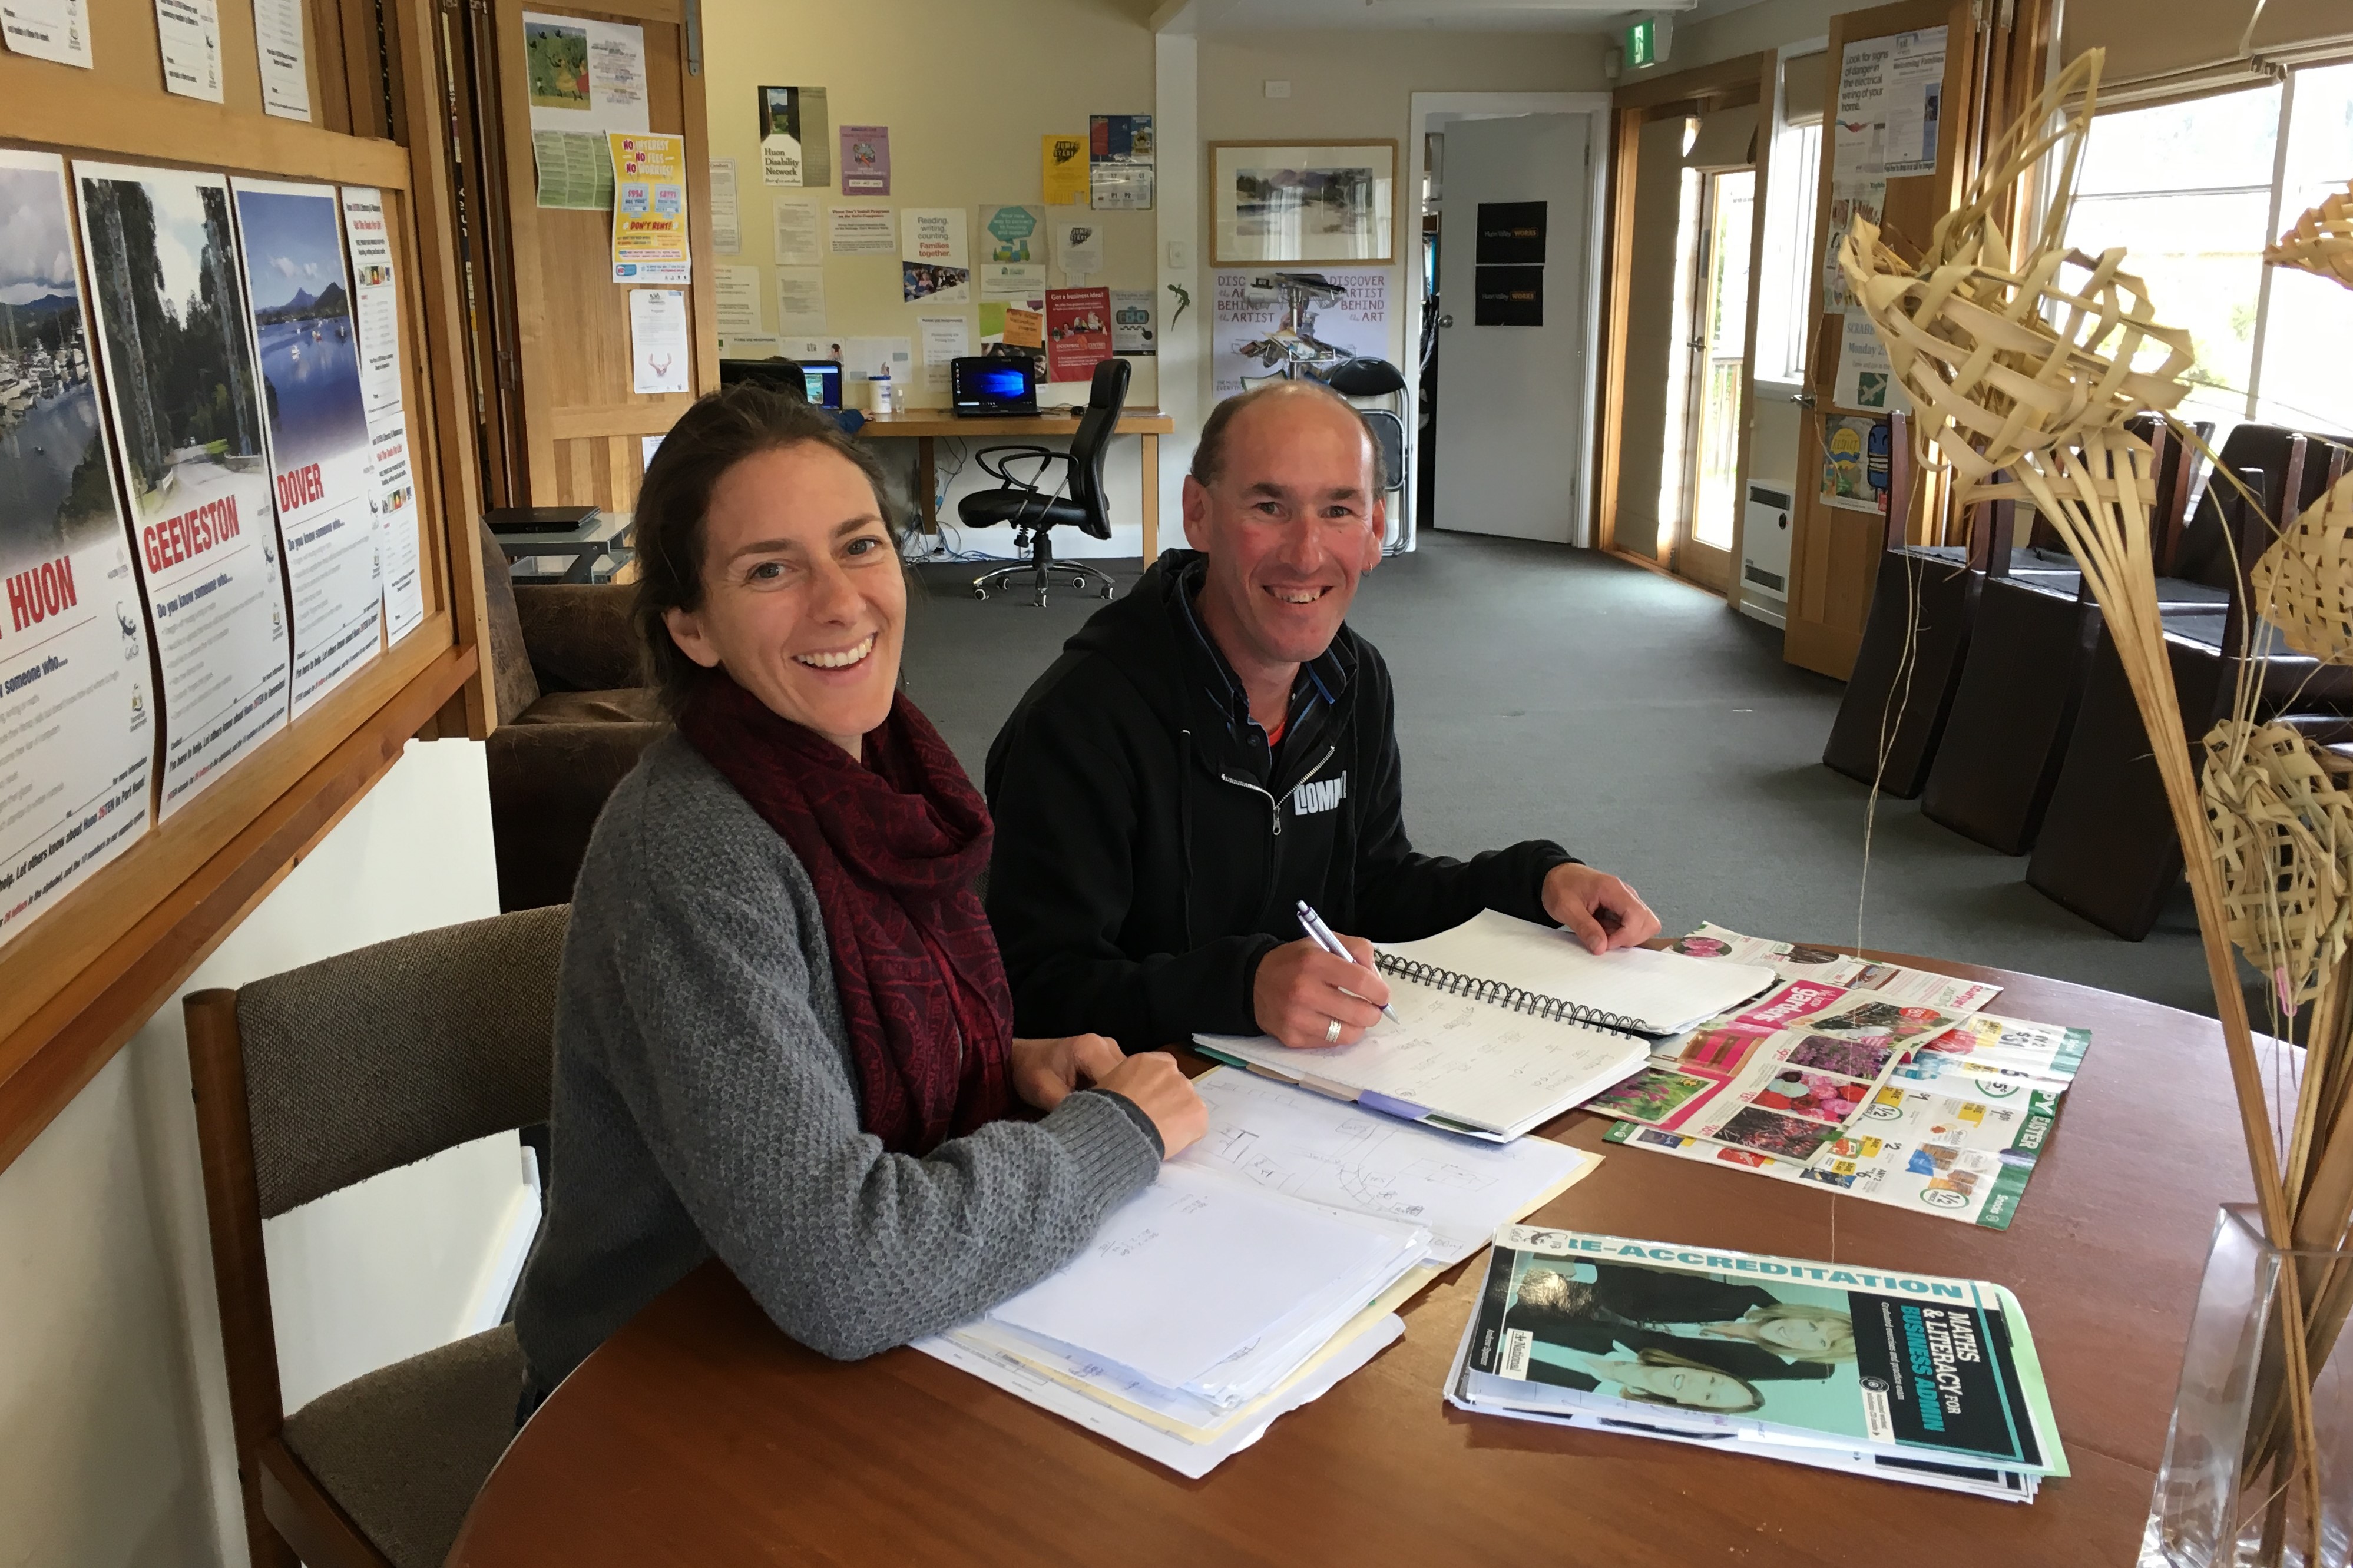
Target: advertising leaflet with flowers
[{"x": 1912, "y": 1377}]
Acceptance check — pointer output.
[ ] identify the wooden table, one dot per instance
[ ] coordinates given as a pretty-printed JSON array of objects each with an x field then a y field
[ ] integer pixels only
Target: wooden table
[
  {"x": 700, "y": 1435},
  {"x": 928, "y": 425}
]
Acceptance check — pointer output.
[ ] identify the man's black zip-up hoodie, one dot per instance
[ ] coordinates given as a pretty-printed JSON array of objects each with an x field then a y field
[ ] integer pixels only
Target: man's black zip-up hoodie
[{"x": 1150, "y": 847}]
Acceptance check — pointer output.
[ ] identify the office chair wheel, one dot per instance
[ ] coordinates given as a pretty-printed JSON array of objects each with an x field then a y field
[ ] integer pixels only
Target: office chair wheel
[{"x": 980, "y": 594}]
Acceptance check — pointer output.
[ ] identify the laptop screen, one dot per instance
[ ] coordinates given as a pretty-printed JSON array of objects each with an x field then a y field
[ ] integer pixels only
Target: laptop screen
[{"x": 823, "y": 380}]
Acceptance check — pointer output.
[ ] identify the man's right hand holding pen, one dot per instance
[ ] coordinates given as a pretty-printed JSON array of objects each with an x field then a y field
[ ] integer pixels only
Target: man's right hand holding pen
[{"x": 1309, "y": 998}]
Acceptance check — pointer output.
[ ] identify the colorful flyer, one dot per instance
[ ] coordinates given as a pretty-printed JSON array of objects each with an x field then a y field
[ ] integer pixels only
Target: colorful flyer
[
  {"x": 586, "y": 79},
  {"x": 865, "y": 160},
  {"x": 650, "y": 242},
  {"x": 77, "y": 714},
  {"x": 1132, "y": 332},
  {"x": 1854, "y": 462},
  {"x": 1119, "y": 161},
  {"x": 1078, "y": 332},
  {"x": 1063, "y": 170},
  {"x": 391, "y": 493},
  {"x": 317, "y": 432},
  {"x": 1013, "y": 234},
  {"x": 935, "y": 262},
  {"x": 187, "y": 422},
  {"x": 1793, "y": 961}
]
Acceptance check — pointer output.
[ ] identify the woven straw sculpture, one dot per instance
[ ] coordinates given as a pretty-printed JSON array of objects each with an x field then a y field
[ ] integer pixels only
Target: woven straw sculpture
[
  {"x": 2007, "y": 361},
  {"x": 2321, "y": 241},
  {"x": 2282, "y": 828},
  {"x": 2303, "y": 583}
]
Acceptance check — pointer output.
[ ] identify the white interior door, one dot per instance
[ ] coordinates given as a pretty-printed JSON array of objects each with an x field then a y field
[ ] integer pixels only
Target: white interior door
[{"x": 1510, "y": 450}]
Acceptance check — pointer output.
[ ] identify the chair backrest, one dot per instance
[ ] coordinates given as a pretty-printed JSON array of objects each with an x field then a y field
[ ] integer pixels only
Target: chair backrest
[
  {"x": 375, "y": 1058},
  {"x": 1106, "y": 395},
  {"x": 1364, "y": 377},
  {"x": 514, "y": 685},
  {"x": 778, "y": 375}
]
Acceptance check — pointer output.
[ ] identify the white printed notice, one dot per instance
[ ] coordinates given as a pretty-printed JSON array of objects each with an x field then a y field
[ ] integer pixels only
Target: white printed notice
[
  {"x": 300, "y": 308},
  {"x": 863, "y": 231},
  {"x": 739, "y": 301},
  {"x": 795, "y": 224},
  {"x": 658, "y": 340},
  {"x": 49, "y": 30},
  {"x": 189, "y": 33},
  {"x": 285, "y": 74},
  {"x": 945, "y": 339},
  {"x": 391, "y": 490},
  {"x": 726, "y": 219},
  {"x": 1915, "y": 90},
  {"x": 186, "y": 406},
  {"x": 76, "y": 737}
]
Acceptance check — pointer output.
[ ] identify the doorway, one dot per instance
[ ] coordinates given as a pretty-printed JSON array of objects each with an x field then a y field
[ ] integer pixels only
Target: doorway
[
  {"x": 1705, "y": 395},
  {"x": 1504, "y": 400}
]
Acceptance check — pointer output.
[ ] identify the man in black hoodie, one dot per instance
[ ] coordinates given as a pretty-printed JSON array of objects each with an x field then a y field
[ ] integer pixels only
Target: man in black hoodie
[{"x": 1216, "y": 747}]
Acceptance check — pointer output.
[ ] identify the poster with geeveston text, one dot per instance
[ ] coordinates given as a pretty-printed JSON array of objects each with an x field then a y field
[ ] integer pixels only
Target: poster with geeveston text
[
  {"x": 300, "y": 306},
  {"x": 391, "y": 490},
  {"x": 186, "y": 417},
  {"x": 76, "y": 715}
]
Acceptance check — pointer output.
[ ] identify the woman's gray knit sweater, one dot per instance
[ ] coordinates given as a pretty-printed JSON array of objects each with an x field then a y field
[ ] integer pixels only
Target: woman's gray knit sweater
[{"x": 704, "y": 1102}]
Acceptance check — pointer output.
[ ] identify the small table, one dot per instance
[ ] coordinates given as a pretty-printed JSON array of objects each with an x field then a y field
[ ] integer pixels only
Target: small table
[
  {"x": 928, "y": 425},
  {"x": 700, "y": 1435},
  {"x": 603, "y": 537}
]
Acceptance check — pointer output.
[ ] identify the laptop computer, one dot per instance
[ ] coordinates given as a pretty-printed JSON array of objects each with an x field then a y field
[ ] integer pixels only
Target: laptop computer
[{"x": 989, "y": 388}]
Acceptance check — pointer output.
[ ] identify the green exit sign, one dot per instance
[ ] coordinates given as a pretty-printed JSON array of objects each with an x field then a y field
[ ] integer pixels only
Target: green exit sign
[{"x": 1643, "y": 43}]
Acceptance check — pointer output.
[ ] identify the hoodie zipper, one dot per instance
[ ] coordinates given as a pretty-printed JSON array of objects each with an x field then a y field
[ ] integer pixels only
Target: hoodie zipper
[{"x": 1274, "y": 802}]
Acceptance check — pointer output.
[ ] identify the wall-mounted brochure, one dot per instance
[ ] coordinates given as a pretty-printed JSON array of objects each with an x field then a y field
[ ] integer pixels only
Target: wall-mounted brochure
[
  {"x": 865, "y": 160},
  {"x": 187, "y": 423},
  {"x": 586, "y": 79},
  {"x": 1016, "y": 234},
  {"x": 317, "y": 429},
  {"x": 649, "y": 240},
  {"x": 1020, "y": 282},
  {"x": 944, "y": 340},
  {"x": 1132, "y": 332},
  {"x": 49, "y": 30},
  {"x": 77, "y": 736},
  {"x": 935, "y": 261},
  {"x": 801, "y": 300},
  {"x": 391, "y": 492},
  {"x": 737, "y": 293},
  {"x": 1866, "y": 376},
  {"x": 188, "y": 33},
  {"x": 285, "y": 70},
  {"x": 1063, "y": 170},
  {"x": 795, "y": 234},
  {"x": 1078, "y": 332},
  {"x": 795, "y": 146},
  {"x": 863, "y": 231},
  {"x": 1119, "y": 161},
  {"x": 659, "y": 341},
  {"x": 726, "y": 222},
  {"x": 1077, "y": 248}
]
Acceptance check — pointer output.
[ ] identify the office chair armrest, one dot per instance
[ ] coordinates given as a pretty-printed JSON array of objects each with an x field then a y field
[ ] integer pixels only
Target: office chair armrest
[
  {"x": 994, "y": 459},
  {"x": 579, "y": 636}
]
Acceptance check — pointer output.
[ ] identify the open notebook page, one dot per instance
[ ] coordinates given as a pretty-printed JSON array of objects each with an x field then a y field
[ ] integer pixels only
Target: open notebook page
[
  {"x": 1460, "y": 1059},
  {"x": 1657, "y": 992}
]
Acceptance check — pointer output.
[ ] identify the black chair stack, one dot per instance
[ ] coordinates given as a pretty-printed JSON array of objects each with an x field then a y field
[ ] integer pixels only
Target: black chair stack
[{"x": 1021, "y": 501}]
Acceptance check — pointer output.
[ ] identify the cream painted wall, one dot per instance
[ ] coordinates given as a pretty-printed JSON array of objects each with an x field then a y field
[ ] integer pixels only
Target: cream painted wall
[
  {"x": 114, "y": 1427},
  {"x": 1359, "y": 85},
  {"x": 966, "y": 92}
]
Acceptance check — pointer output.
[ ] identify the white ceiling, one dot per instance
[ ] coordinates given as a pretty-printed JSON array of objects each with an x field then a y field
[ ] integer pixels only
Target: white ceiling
[{"x": 1452, "y": 16}]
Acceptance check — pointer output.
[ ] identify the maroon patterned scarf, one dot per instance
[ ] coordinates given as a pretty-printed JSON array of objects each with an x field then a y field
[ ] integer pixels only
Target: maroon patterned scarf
[{"x": 894, "y": 845}]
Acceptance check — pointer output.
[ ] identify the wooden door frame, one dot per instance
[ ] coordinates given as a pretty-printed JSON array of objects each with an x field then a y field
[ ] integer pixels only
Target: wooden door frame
[{"x": 1727, "y": 84}]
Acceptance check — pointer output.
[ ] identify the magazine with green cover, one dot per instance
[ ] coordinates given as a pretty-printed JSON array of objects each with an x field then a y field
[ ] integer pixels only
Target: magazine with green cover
[{"x": 1774, "y": 1351}]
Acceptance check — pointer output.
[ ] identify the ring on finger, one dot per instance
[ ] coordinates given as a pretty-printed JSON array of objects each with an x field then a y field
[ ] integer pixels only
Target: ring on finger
[{"x": 1331, "y": 1032}]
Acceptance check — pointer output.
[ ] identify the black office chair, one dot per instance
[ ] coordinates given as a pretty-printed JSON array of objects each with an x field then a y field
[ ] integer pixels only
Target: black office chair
[
  {"x": 1033, "y": 512},
  {"x": 1360, "y": 381},
  {"x": 778, "y": 373}
]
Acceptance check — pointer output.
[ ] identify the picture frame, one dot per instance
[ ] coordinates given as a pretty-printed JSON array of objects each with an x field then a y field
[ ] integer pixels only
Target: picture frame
[{"x": 1294, "y": 203}]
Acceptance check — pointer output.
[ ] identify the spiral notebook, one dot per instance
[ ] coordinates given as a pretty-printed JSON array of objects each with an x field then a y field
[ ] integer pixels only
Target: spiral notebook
[{"x": 1503, "y": 1025}]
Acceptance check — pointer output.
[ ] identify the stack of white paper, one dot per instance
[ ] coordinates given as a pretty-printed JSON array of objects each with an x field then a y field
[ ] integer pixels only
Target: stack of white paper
[{"x": 1265, "y": 1265}]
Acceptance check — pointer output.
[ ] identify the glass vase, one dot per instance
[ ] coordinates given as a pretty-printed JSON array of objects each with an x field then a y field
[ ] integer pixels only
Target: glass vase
[{"x": 2225, "y": 1497}]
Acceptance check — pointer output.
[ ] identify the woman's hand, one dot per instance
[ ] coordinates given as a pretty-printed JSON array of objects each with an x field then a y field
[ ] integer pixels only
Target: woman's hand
[{"x": 1045, "y": 1072}]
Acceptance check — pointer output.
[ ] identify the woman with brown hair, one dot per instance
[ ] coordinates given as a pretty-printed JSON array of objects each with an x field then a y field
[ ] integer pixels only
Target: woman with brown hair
[{"x": 783, "y": 1034}]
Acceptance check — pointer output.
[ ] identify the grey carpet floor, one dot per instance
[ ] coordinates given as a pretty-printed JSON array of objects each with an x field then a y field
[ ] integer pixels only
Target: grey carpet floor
[{"x": 1558, "y": 693}]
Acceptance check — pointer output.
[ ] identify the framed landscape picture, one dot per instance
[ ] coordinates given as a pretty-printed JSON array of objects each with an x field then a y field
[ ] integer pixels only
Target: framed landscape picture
[{"x": 1284, "y": 203}]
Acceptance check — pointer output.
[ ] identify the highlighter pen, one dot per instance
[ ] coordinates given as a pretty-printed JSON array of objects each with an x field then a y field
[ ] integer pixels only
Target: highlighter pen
[{"x": 1320, "y": 935}]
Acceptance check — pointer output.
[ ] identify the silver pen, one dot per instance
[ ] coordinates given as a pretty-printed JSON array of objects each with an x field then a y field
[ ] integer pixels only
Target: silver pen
[{"x": 1320, "y": 935}]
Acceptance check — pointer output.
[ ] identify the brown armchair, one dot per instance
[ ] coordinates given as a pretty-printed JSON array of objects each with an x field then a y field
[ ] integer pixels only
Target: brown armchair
[{"x": 574, "y": 713}]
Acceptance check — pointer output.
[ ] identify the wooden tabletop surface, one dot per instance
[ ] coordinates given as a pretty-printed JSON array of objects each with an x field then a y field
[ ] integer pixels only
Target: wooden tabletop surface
[{"x": 700, "y": 1435}]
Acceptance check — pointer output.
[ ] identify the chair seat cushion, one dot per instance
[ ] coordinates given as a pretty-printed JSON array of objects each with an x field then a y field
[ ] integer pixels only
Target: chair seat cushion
[
  {"x": 624, "y": 705},
  {"x": 986, "y": 508},
  {"x": 403, "y": 1449}
]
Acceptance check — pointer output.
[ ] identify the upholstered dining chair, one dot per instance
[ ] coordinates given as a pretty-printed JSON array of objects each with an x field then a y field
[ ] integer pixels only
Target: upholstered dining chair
[{"x": 311, "y": 1081}]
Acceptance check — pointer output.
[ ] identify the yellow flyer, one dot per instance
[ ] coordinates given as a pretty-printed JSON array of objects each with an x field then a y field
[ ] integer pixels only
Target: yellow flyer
[
  {"x": 1063, "y": 170},
  {"x": 648, "y": 208}
]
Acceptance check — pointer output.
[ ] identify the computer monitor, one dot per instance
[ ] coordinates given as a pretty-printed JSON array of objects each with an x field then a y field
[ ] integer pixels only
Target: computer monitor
[
  {"x": 820, "y": 381},
  {"x": 823, "y": 379},
  {"x": 980, "y": 387}
]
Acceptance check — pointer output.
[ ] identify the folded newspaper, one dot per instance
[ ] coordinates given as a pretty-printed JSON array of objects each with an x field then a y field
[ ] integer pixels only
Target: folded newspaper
[{"x": 1912, "y": 1377}]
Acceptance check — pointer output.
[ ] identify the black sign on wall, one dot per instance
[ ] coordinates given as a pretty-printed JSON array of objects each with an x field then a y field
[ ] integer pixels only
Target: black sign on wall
[
  {"x": 1509, "y": 296},
  {"x": 1511, "y": 233}
]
